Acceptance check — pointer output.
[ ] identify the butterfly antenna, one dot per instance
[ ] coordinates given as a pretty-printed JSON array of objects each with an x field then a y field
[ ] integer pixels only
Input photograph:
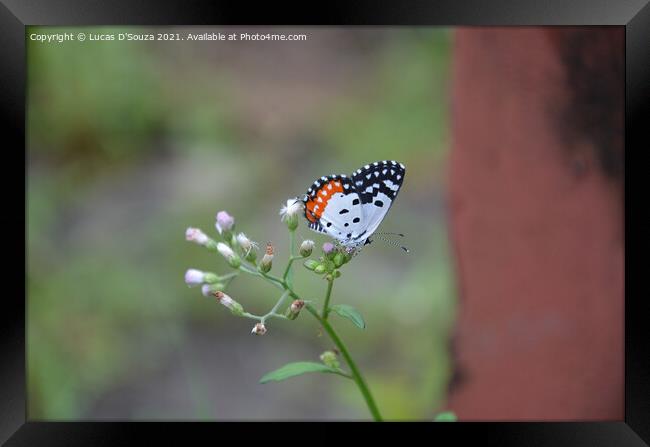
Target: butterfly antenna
[
  {"x": 393, "y": 243},
  {"x": 393, "y": 234}
]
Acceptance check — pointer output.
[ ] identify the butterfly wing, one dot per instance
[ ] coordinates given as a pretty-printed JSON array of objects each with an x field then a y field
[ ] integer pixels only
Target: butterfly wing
[
  {"x": 333, "y": 206},
  {"x": 377, "y": 185}
]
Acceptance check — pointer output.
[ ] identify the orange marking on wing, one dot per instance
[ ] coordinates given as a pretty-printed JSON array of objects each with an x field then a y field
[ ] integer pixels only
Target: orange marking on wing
[{"x": 314, "y": 207}]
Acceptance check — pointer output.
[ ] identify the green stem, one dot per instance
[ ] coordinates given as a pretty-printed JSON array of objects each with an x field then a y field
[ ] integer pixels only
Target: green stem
[
  {"x": 326, "y": 304},
  {"x": 228, "y": 276},
  {"x": 356, "y": 374},
  {"x": 285, "y": 283},
  {"x": 276, "y": 307}
]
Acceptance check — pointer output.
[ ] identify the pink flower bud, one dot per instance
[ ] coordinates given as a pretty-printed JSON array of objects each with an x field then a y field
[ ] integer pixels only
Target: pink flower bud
[
  {"x": 194, "y": 277},
  {"x": 328, "y": 248},
  {"x": 225, "y": 222},
  {"x": 197, "y": 236}
]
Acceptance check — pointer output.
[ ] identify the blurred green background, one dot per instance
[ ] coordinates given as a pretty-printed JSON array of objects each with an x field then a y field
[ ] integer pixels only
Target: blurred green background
[{"x": 129, "y": 143}]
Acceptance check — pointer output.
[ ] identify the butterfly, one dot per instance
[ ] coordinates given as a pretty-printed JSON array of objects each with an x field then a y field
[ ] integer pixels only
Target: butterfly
[{"x": 351, "y": 208}]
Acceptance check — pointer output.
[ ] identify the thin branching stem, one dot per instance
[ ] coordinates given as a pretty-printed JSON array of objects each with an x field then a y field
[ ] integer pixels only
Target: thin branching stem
[{"x": 286, "y": 284}]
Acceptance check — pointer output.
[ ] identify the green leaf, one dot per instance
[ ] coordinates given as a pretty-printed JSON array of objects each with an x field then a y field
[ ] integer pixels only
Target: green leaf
[
  {"x": 297, "y": 368},
  {"x": 446, "y": 416},
  {"x": 350, "y": 313}
]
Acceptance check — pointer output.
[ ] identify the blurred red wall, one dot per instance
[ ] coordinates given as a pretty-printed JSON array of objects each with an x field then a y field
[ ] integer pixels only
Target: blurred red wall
[{"x": 536, "y": 207}]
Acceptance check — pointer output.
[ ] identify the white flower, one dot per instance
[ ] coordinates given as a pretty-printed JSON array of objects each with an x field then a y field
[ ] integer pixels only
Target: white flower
[
  {"x": 292, "y": 208},
  {"x": 194, "y": 277},
  {"x": 197, "y": 236},
  {"x": 267, "y": 260},
  {"x": 207, "y": 290},
  {"x": 245, "y": 243},
  {"x": 230, "y": 255},
  {"x": 225, "y": 251},
  {"x": 259, "y": 329}
]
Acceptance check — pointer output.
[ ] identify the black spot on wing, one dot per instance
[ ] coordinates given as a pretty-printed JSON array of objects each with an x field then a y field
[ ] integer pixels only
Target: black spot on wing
[
  {"x": 379, "y": 176},
  {"x": 344, "y": 211}
]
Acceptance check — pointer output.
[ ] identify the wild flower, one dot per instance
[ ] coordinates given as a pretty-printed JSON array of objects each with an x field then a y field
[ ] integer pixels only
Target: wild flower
[{"x": 327, "y": 266}]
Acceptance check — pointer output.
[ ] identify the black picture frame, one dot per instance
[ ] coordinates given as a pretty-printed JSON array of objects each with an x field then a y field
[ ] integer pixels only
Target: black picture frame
[{"x": 16, "y": 430}]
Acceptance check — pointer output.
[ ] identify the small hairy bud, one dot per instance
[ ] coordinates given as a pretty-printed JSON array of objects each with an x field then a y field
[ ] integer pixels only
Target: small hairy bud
[
  {"x": 267, "y": 260},
  {"x": 306, "y": 248},
  {"x": 231, "y": 304},
  {"x": 295, "y": 309},
  {"x": 329, "y": 359},
  {"x": 259, "y": 329}
]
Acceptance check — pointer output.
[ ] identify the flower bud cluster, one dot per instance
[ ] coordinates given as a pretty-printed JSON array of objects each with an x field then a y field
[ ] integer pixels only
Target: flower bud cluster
[
  {"x": 238, "y": 249},
  {"x": 333, "y": 258}
]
